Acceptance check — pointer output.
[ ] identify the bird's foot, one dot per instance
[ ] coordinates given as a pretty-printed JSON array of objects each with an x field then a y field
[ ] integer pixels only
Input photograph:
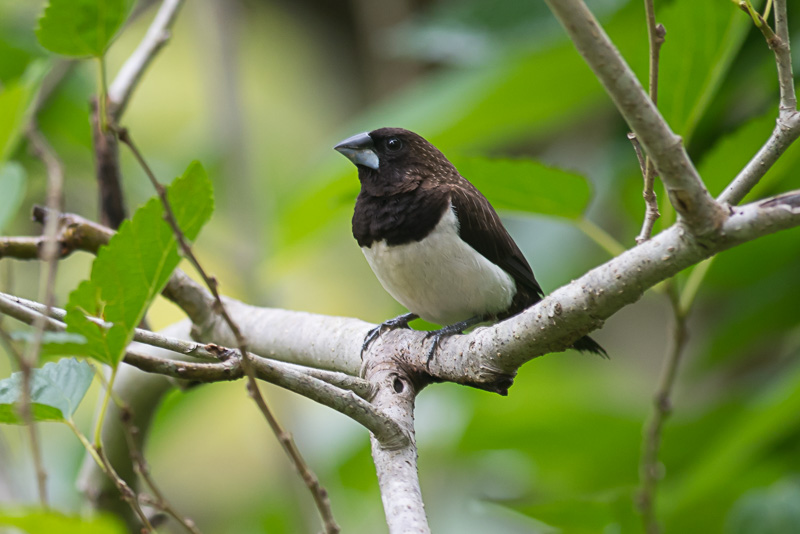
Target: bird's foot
[
  {"x": 447, "y": 331},
  {"x": 400, "y": 321}
]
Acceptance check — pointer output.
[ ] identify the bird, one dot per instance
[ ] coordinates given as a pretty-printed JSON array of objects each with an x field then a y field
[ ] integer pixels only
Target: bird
[{"x": 434, "y": 241}]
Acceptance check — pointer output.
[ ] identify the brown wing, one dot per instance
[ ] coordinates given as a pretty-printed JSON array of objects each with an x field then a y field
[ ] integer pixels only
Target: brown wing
[{"x": 481, "y": 228}]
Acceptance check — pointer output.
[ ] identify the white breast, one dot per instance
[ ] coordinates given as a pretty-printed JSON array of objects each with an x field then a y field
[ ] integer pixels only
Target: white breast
[{"x": 441, "y": 278}]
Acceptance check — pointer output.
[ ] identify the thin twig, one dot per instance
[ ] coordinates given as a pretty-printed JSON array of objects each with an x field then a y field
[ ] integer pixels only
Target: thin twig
[
  {"x": 50, "y": 255},
  {"x": 787, "y": 128},
  {"x": 700, "y": 213},
  {"x": 126, "y": 493},
  {"x": 143, "y": 470},
  {"x": 650, "y": 470},
  {"x": 318, "y": 492},
  {"x": 133, "y": 69},
  {"x": 655, "y": 37}
]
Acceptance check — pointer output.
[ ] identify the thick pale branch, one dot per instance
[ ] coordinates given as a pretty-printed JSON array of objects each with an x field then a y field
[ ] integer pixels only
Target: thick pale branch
[
  {"x": 489, "y": 357},
  {"x": 289, "y": 376},
  {"x": 396, "y": 467},
  {"x": 700, "y": 212}
]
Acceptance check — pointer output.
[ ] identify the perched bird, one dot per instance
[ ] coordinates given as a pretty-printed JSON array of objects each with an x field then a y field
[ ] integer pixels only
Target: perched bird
[{"x": 433, "y": 240}]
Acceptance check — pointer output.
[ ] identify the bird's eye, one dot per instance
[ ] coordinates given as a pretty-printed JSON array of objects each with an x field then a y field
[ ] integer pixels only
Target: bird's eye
[{"x": 394, "y": 144}]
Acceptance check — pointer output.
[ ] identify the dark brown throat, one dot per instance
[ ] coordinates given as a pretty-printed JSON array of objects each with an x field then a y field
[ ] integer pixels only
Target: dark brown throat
[{"x": 398, "y": 218}]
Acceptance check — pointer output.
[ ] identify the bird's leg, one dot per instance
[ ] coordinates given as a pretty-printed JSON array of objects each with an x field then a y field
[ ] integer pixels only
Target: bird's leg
[
  {"x": 400, "y": 321},
  {"x": 449, "y": 330}
]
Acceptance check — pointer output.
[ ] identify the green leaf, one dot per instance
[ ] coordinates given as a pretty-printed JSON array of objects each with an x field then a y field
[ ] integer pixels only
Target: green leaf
[
  {"x": 527, "y": 185},
  {"x": 56, "y": 391},
  {"x": 80, "y": 28},
  {"x": 12, "y": 185},
  {"x": 35, "y": 521},
  {"x": 55, "y": 344},
  {"x": 134, "y": 267},
  {"x": 773, "y": 510},
  {"x": 16, "y": 100},
  {"x": 767, "y": 421}
]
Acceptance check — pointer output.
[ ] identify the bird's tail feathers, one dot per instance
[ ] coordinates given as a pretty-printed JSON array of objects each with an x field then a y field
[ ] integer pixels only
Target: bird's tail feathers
[{"x": 587, "y": 344}]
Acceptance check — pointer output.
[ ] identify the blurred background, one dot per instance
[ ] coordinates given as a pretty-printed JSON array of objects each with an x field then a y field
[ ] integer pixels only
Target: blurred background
[{"x": 260, "y": 91}]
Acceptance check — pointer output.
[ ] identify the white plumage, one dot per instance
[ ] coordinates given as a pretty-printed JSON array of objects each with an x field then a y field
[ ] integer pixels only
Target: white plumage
[{"x": 441, "y": 278}]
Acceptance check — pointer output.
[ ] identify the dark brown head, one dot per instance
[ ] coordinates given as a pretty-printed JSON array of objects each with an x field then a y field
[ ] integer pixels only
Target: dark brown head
[{"x": 394, "y": 160}]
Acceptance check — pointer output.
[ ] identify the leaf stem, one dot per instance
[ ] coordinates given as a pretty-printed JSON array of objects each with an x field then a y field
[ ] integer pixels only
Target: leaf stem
[
  {"x": 103, "y": 408},
  {"x": 600, "y": 236}
]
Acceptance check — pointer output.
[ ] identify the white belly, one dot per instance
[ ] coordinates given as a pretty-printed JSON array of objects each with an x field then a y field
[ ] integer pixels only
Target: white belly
[{"x": 441, "y": 278}]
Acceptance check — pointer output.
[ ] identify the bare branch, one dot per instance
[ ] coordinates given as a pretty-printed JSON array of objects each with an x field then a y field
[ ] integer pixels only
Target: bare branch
[
  {"x": 107, "y": 171},
  {"x": 488, "y": 357},
  {"x": 143, "y": 470},
  {"x": 120, "y": 91},
  {"x": 655, "y": 37},
  {"x": 650, "y": 471},
  {"x": 778, "y": 42},
  {"x": 698, "y": 210},
  {"x": 310, "y": 383},
  {"x": 396, "y": 467},
  {"x": 786, "y": 131},
  {"x": 47, "y": 280}
]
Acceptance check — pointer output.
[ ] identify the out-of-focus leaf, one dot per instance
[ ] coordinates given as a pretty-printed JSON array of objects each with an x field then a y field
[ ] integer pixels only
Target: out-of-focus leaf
[
  {"x": 56, "y": 391},
  {"x": 774, "y": 510},
  {"x": 135, "y": 266},
  {"x": 614, "y": 509},
  {"x": 35, "y": 521},
  {"x": 506, "y": 102},
  {"x": 702, "y": 40},
  {"x": 55, "y": 344},
  {"x": 12, "y": 191},
  {"x": 80, "y": 28},
  {"x": 15, "y": 103},
  {"x": 748, "y": 439},
  {"x": 527, "y": 185}
]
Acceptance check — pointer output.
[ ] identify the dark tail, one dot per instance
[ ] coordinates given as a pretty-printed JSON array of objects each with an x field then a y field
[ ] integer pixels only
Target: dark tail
[{"x": 587, "y": 344}]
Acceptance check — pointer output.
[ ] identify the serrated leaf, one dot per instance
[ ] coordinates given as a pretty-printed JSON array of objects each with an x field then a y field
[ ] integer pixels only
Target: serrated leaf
[
  {"x": 12, "y": 191},
  {"x": 81, "y": 28},
  {"x": 527, "y": 185},
  {"x": 56, "y": 391},
  {"x": 134, "y": 267},
  {"x": 35, "y": 521}
]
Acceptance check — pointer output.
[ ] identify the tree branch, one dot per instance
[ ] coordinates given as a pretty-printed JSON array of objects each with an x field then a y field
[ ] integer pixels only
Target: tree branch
[
  {"x": 128, "y": 77},
  {"x": 787, "y": 128},
  {"x": 786, "y": 131},
  {"x": 488, "y": 357},
  {"x": 309, "y": 383},
  {"x": 396, "y": 467},
  {"x": 655, "y": 37},
  {"x": 687, "y": 193}
]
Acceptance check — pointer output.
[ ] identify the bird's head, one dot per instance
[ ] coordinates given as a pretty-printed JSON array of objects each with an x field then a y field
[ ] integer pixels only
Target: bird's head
[{"x": 393, "y": 160}]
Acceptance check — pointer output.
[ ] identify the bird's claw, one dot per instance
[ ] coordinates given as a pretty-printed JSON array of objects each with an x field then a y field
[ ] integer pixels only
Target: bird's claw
[{"x": 397, "y": 322}]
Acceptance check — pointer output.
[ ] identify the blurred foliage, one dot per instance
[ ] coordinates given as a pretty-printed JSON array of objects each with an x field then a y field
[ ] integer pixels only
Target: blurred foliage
[{"x": 261, "y": 91}]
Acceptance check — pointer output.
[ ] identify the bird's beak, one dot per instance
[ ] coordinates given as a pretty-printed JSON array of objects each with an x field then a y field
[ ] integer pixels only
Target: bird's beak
[{"x": 360, "y": 150}]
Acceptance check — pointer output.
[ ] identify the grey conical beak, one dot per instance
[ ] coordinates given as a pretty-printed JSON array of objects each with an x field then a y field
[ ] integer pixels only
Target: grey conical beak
[{"x": 360, "y": 150}]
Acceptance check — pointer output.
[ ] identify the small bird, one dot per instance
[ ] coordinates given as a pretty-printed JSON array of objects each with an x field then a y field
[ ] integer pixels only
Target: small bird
[{"x": 433, "y": 240}]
